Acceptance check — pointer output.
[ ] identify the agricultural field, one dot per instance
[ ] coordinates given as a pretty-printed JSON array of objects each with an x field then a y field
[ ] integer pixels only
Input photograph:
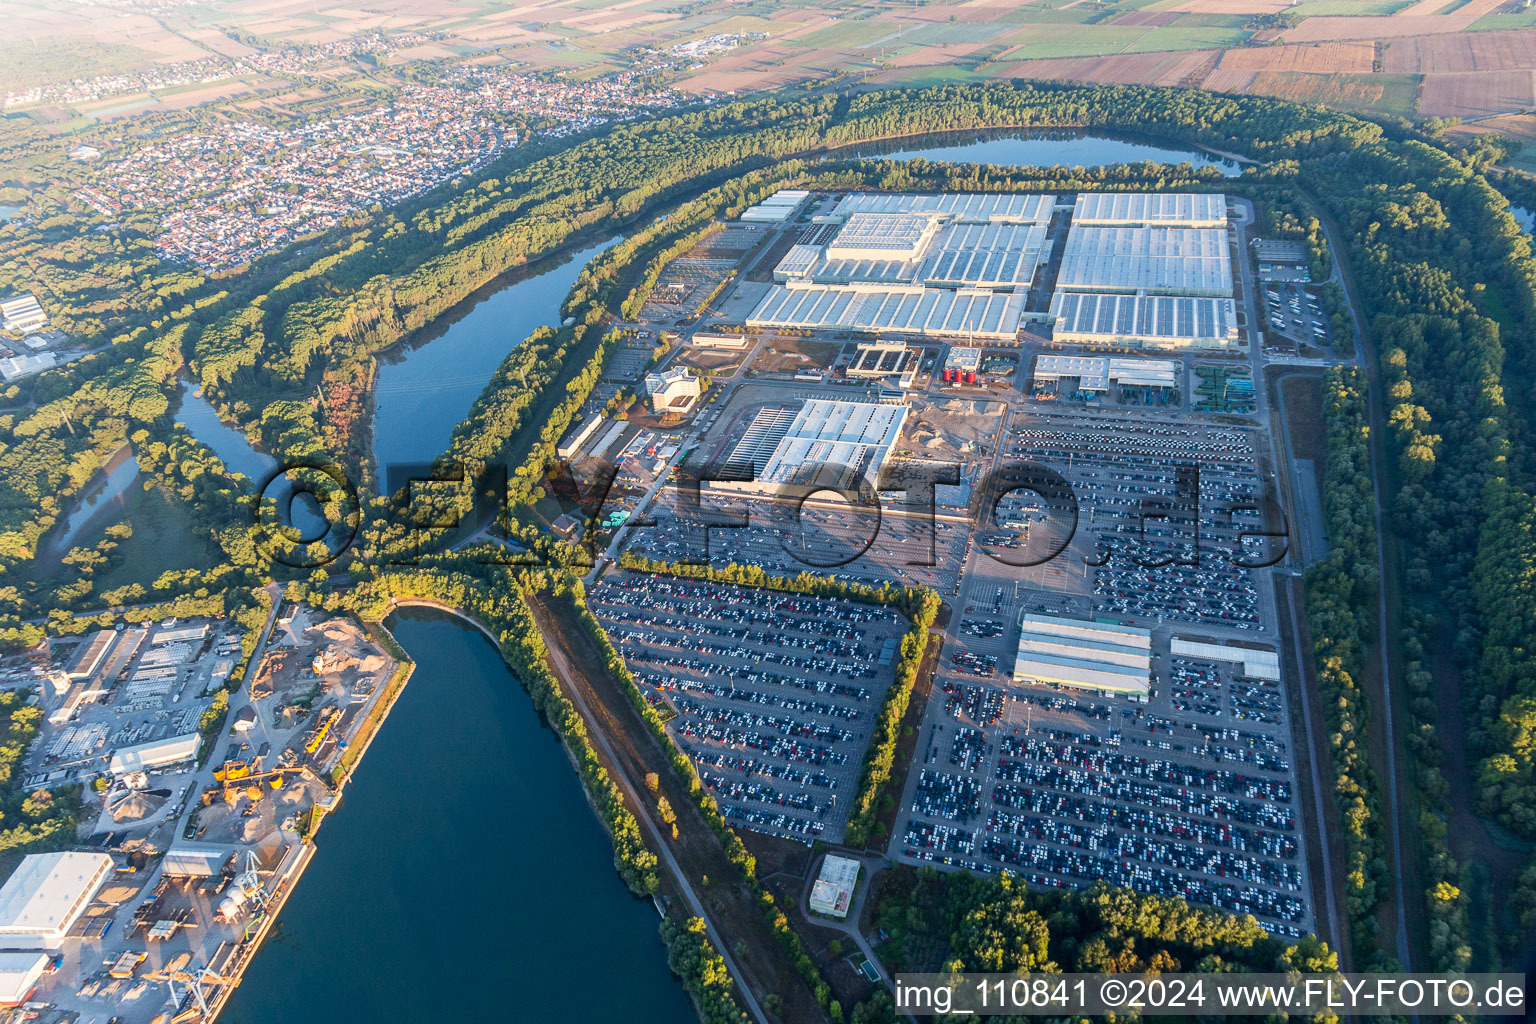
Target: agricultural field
[{"x": 1446, "y": 58}]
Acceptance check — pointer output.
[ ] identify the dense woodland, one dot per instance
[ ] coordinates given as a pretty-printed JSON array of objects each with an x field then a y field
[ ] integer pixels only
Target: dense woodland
[
  {"x": 287, "y": 349},
  {"x": 942, "y": 921}
]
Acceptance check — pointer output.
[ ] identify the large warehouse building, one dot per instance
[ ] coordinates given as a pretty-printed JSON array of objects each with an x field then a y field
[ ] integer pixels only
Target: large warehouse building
[
  {"x": 46, "y": 895},
  {"x": 828, "y": 444},
  {"x": 1096, "y": 373},
  {"x": 1103, "y": 658},
  {"x": 908, "y": 310},
  {"x": 1172, "y": 261},
  {"x": 1145, "y": 270},
  {"x": 1144, "y": 321},
  {"x": 1151, "y": 209},
  {"x": 918, "y": 265}
]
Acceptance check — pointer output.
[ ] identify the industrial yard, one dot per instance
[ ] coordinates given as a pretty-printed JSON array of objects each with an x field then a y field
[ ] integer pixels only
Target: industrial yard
[
  {"x": 1109, "y": 701},
  {"x": 202, "y": 808}
]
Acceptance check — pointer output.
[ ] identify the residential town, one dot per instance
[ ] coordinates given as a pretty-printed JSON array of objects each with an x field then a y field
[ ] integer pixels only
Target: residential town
[
  {"x": 202, "y": 70},
  {"x": 240, "y": 190}
]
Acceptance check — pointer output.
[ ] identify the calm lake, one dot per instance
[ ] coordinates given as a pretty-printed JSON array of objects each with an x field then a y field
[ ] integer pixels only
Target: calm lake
[
  {"x": 463, "y": 861},
  {"x": 202, "y": 421},
  {"x": 98, "y": 507},
  {"x": 426, "y": 387},
  {"x": 1044, "y": 149}
]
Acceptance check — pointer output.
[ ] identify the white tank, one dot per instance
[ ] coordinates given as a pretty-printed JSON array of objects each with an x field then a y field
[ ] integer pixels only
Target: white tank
[{"x": 231, "y": 905}]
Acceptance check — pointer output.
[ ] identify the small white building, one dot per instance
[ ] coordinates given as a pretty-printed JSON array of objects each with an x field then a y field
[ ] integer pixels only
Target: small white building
[
  {"x": 142, "y": 757},
  {"x": 14, "y": 368},
  {"x": 833, "y": 892},
  {"x": 46, "y": 896},
  {"x": 19, "y": 975}
]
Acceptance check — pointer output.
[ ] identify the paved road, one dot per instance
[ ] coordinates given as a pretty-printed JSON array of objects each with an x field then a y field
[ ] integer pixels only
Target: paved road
[{"x": 237, "y": 700}]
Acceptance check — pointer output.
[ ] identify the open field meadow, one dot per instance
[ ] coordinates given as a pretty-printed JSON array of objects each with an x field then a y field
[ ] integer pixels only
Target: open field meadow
[{"x": 1450, "y": 58}]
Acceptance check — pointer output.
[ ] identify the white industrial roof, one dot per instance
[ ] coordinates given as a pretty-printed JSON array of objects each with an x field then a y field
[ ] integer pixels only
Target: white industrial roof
[
  {"x": 47, "y": 890},
  {"x": 864, "y": 270},
  {"x": 192, "y": 861},
  {"x": 1091, "y": 655},
  {"x": 901, "y": 309},
  {"x": 786, "y": 197},
  {"x": 142, "y": 756},
  {"x": 961, "y": 206},
  {"x": 770, "y": 214},
  {"x": 962, "y": 358},
  {"x": 984, "y": 255},
  {"x": 799, "y": 260},
  {"x": 882, "y": 236},
  {"x": 1185, "y": 261},
  {"x": 1096, "y": 372},
  {"x": 833, "y": 890},
  {"x": 1167, "y": 209},
  {"x": 834, "y": 444},
  {"x": 1257, "y": 664},
  {"x": 1104, "y": 318},
  {"x": 19, "y": 972}
]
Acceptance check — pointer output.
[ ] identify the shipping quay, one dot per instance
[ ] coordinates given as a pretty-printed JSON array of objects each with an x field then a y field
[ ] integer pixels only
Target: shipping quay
[{"x": 205, "y": 802}]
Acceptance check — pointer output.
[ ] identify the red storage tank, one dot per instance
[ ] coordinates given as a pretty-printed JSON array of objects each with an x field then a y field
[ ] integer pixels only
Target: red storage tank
[
  {"x": 949, "y": 375},
  {"x": 970, "y": 376}
]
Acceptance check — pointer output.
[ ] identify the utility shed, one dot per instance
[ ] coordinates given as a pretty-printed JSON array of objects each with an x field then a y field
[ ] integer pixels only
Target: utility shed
[
  {"x": 46, "y": 896},
  {"x": 190, "y": 860},
  {"x": 19, "y": 974}
]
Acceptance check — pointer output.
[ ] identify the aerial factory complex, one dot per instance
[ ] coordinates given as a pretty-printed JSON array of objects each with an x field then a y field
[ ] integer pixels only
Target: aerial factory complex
[
  {"x": 852, "y": 380},
  {"x": 1118, "y": 711}
]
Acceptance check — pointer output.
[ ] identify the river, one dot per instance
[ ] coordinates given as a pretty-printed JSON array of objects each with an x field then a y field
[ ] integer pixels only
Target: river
[
  {"x": 464, "y": 876},
  {"x": 426, "y": 387}
]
